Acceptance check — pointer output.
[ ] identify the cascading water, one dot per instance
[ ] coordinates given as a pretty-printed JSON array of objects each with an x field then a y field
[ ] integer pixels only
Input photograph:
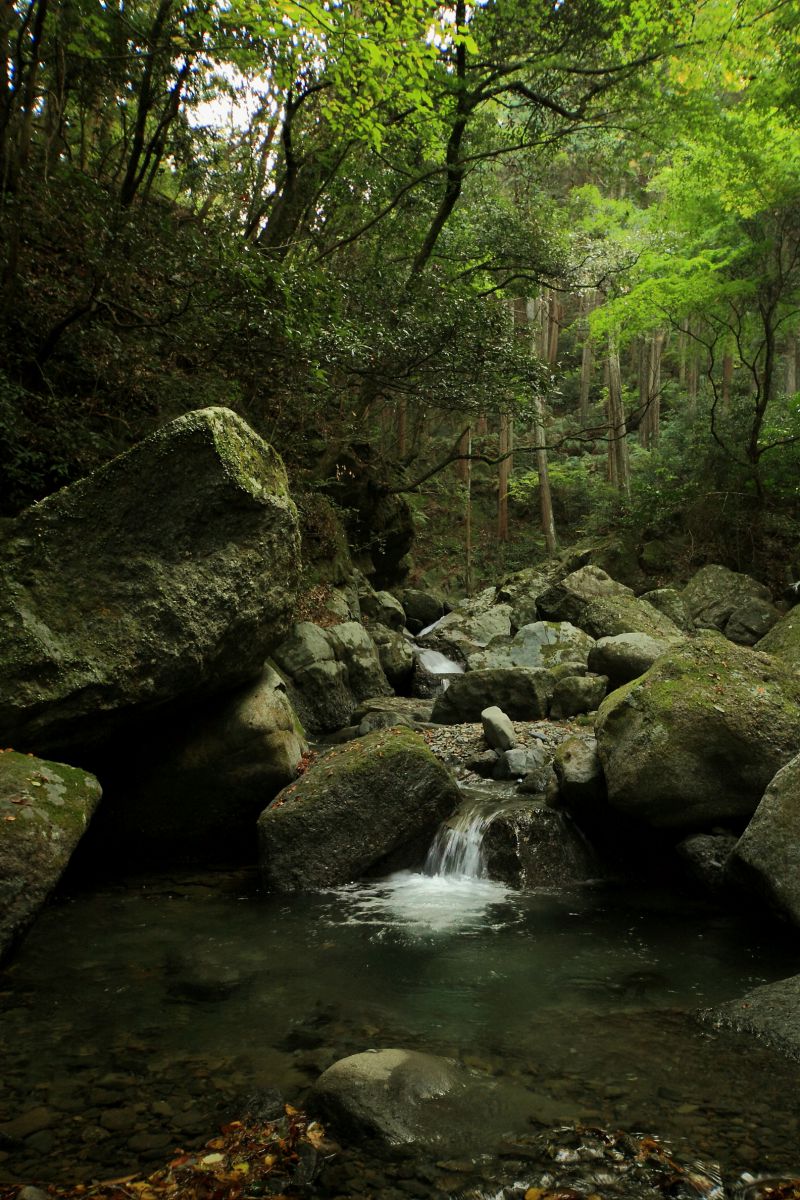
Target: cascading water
[{"x": 457, "y": 849}]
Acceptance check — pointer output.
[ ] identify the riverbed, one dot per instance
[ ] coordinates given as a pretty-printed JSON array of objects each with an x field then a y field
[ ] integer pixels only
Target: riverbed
[{"x": 140, "y": 1014}]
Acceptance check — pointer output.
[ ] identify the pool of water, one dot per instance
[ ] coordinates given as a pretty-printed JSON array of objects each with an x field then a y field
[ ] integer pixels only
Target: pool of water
[{"x": 138, "y": 1016}]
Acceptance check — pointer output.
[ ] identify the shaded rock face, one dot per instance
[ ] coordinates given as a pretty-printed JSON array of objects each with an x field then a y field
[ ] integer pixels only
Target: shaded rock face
[
  {"x": 740, "y": 607},
  {"x": 463, "y": 632},
  {"x": 376, "y": 800},
  {"x": 766, "y": 859},
  {"x": 421, "y": 608},
  {"x": 523, "y": 695},
  {"x": 203, "y": 793},
  {"x": 406, "y": 1098},
  {"x": 575, "y": 694},
  {"x": 394, "y": 654},
  {"x": 549, "y": 643},
  {"x": 581, "y": 782},
  {"x": 626, "y": 656},
  {"x": 670, "y": 602},
  {"x": 704, "y": 856},
  {"x": 770, "y": 1013},
  {"x": 530, "y": 846},
  {"x": 592, "y": 600},
  {"x": 695, "y": 741},
  {"x": 44, "y": 810},
  {"x": 170, "y": 572},
  {"x": 783, "y": 640},
  {"x": 329, "y": 671}
]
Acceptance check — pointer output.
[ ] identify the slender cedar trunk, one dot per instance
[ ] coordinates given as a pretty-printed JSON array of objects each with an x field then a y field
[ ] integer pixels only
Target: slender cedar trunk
[
  {"x": 555, "y": 314},
  {"x": 764, "y": 388},
  {"x": 402, "y": 427},
  {"x": 545, "y": 495},
  {"x": 504, "y": 474},
  {"x": 619, "y": 467},
  {"x": 692, "y": 381},
  {"x": 727, "y": 379},
  {"x": 463, "y": 464},
  {"x": 650, "y": 424},
  {"x": 683, "y": 347},
  {"x": 791, "y": 364},
  {"x": 588, "y": 302},
  {"x": 466, "y": 440}
]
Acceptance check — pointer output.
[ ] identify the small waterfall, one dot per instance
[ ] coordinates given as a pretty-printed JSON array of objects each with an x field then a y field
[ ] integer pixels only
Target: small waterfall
[
  {"x": 436, "y": 663},
  {"x": 457, "y": 849}
]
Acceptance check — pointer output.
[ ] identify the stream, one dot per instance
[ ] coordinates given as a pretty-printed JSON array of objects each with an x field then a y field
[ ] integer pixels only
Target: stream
[{"x": 140, "y": 1014}]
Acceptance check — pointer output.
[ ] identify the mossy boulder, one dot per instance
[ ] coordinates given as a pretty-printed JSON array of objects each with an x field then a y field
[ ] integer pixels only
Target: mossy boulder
[
  {"x": 737, "y": 605},
  {"x": 168, "y": 573},
  {"x": 45, "y": 808},
  {"x": 198, "y": 791},
  {"x": 783, "y": 640},
  {"x": 601, "y": 607},
  {"x": 695, "y": 740},
  {"x": 524, "y": 694},
  {"x": 371, "y": 804},
  {"x": 766, "y": 859}
]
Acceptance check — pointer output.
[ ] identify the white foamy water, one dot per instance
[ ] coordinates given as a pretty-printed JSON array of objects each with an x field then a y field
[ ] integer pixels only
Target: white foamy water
[
  {"x": 424, "y": 904},
  {"x": 436, "y": 663}
]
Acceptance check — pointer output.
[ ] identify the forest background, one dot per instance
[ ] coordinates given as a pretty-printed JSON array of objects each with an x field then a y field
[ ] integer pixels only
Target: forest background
[{"x": 524, "y": 272}]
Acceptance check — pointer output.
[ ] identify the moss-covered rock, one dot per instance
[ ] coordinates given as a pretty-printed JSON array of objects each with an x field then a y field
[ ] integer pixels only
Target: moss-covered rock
[
  {"x": 374, "y": 802},
  {"x": 168, "y": 573},
  {"x": 44, "y": 810},
  {"x": 766, "y": 859},
  {"x": 783, "y": 640},
  {"x": 523, "y": 693},
  {"x": 597, "y": 604},
  {"x": 736, "y": 604},
  {"x": 695, "y": 740}
]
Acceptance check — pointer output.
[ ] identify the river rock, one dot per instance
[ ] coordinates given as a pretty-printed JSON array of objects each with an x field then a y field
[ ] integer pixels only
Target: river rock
[
  {"x": 766, "y": 859},
  {"x": 523, "y": 589},
  {"x": 44, "y": 810},
  {"x": 740, "y": 607},
  {"x": 168, "y": 573},
  {"x": 422, "y": 608},
  {"x": 625, "y": 656},
  {"x": 497, "y": 729},
  {"x": 671, "y": 603},
  {"x": 203, "y": 792},
  {"x": 521, "y": 762},
  {"x": 528, "y": 845},
  {"x": 394, "y": 654},
  {"x": 575, "y": 694},
  {"x": 783, "y": 640},
  {"x": 328, "y": 671},
  {"x": 464, "y": 632},
  {"x": 524, "y": 694},
  {"x": 581, "y": 782},
  {"x": 381, "y": 607},
  {"x": 376, "y": 798},
  {"x": 705, "y": 855},
  {"x": 770, "y": 1013},
  {"x": 548, "y": 643},
  {"x": 694, "y": 742},
  {"x": 597, "y": 604},
  {"x": 406, "y": 1098}
]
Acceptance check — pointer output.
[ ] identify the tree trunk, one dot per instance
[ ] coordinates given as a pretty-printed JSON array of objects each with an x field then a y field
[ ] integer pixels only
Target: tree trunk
[
  {"x": 504, "y": 474},
  {"x": 402, "y": 428},
  {"x": 727, "y": 378},
  {"x": 463, "y": 464},
  {"x": 467, "y": 513},
  {"x": 588, "y": 302},
  {"x": 791, "y": 364},
  {"x": 545, "y": 495},
  {"x": 619, "y": 466}
]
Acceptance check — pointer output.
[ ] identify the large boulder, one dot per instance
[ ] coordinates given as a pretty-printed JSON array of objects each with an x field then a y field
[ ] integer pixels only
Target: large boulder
[
  {"x": 44, "y": 810},
  {"x": 626, "y": 656},
  {"x": 695, "y": 741},
  {"x": 407, "y": 1098},
  {"x": 783, "y": 640},
  {"x": 575, "y": 694},
  {"x": 740, "y": 607},
  {"x": 329, "y": 671},
  {"x": 592, "y": 600},
  {"x": 579, "y": 772},
  {"x": 204, "y": 782},
  {"x": 527, "y": 845},
  {"x": 463, "y": 632},
  {"x": 766, "y": 859},
  {"x": 524, "y": 694},
  {"x": 671, "y": 603},
  {"x": 421, "y": 608},
  {"x": 395, "y": 655},
  {"x": 770, "y": 1013},
  {"x": 549, "y": 643},
  {"x": 168, "y": 573},
  {"x": 376, "y": 800}
]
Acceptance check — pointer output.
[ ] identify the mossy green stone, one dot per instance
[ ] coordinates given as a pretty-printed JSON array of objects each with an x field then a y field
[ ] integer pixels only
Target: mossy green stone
[
  {"x": 44, "y": 810},
  {"x": 695, "y": 740}
]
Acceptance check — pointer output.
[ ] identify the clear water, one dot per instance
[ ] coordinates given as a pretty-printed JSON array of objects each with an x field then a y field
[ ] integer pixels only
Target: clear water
[{"x": 137, "y": 1016}]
